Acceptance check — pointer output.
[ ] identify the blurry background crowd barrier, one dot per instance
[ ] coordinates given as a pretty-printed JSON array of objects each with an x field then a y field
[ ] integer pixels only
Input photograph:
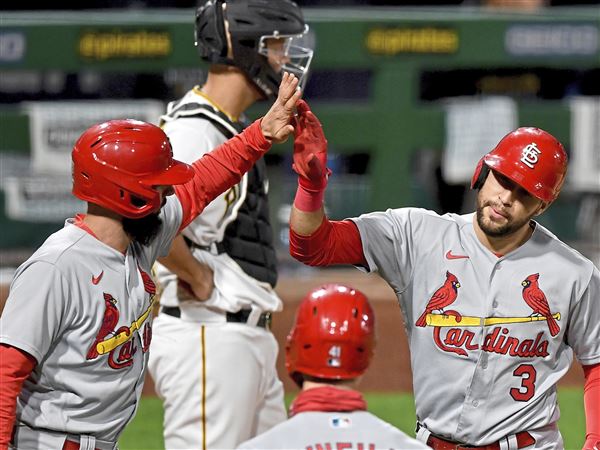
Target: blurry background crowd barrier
[{"x": 410, "y": 98}]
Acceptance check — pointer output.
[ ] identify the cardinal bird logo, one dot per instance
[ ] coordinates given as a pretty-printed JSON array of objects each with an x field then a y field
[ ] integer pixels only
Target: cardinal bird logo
[
  {"x": 109, "y": 322},
  {"x": 149, "y": 285},
  {"x": 536, "y": 299},
  {"x": 444, "y": 296}
]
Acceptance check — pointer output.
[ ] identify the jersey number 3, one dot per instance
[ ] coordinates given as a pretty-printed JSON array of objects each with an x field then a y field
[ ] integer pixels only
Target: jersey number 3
[{"x": 527, "y": 389}]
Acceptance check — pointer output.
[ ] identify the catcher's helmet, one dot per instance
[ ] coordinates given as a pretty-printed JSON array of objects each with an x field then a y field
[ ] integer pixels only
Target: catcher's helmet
[
  {"x": 250, "y": 24},
  {"x": 333, "y": 335},
  {"x": 116, "y": 165},
  {"x": 532, "y": 158}
]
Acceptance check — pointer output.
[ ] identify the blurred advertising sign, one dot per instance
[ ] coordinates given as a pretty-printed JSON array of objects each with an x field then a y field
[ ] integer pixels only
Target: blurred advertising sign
[
  {"x": 552, "y": 40},
  {"x": 39, "y": 189},
  {"x": 13, "y": 46},
  {"x": 474, "y": 125},
  {"x": 39, "y": 198},
  {"x": 390, "y": 41},
  {"x": 102, "y": 45},
  {"x": 55, "y": 126},
  {"x": 584, "y": 170}
]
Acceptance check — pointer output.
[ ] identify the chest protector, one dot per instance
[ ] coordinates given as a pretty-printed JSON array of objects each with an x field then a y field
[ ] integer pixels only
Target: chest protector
[{"x": 249, "y": 238}]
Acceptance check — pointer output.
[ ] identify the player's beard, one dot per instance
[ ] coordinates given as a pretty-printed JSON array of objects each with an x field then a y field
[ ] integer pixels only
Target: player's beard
[
  {"x": 143, "y": 230},
  {"x": 498, "y": 230}
]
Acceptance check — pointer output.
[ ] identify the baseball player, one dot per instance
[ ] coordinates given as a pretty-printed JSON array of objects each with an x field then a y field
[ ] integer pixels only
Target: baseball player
[
  {"x": 494, "y": 304},
  {"x": 218, "y": 279},
  {"x": 330, "y": 346},
  {"x": 76, "y": 327}
]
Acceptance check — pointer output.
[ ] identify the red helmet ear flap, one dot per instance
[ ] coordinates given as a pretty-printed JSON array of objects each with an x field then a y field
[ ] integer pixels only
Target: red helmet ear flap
[{"x": 480, "y": 174}]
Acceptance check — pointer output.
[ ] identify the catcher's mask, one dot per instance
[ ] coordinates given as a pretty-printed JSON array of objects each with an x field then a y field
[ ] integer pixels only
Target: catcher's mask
[
  {"x": 530, "y": 157},
  {"x": 333, "y": 335},
  {"x": 118, "y": 164},
  {"x": 251, "y": 24}
]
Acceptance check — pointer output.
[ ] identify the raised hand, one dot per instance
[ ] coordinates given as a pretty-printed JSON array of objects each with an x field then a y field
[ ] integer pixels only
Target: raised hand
[
  {"x": 310, "y": 148},
  {"x": 276, "y": 124}
]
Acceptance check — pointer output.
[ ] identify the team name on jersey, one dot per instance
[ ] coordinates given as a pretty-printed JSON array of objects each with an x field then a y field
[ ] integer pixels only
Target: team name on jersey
[
  {"x": 460, "y": 341},
  {"x": 341, "y": 446}
]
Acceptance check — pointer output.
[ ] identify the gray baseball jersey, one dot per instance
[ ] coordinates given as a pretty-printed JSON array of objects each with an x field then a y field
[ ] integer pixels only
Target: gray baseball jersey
[
  {"x": 489, "y": 336},
  {"x": 83, "y": 310},
  {"x": 358, "y": 430}
]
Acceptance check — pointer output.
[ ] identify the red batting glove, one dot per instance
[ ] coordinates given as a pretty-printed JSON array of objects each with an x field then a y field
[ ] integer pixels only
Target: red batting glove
[
  {"x": 310, "y": 159},
  {"x": 310, "y": 149}
]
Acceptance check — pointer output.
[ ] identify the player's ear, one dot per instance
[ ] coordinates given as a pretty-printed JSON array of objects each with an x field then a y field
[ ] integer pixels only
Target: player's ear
[{"x": 543, "y": 207}]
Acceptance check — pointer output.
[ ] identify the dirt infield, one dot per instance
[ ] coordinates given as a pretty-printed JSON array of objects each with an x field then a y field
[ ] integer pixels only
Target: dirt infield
[{"x": 390, "y": 369}]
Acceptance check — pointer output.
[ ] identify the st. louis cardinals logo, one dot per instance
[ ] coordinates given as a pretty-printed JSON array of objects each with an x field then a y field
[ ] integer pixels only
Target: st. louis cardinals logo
[
  {"x": 444, "y": 296},
  {"x": 536, "y": 299},
  {"x": 109, "y": 322},
  {"x": 530, "y": 155},
  {"x": 118, "y": 344},
  {"x": 459, "y": 339}
]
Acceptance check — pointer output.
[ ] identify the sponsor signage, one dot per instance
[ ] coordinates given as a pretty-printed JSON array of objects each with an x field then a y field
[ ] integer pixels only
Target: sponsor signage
[
  {"x": 121, "y": 44},
  {"x": 12, "y": 46},
  {"x": 584, "y": 164},
  {"x": 420, "y": 40},
  {"x": 56, "y": 126},
  {"x": 552, "y": 40},
  {"x": 42, "y": 193}
]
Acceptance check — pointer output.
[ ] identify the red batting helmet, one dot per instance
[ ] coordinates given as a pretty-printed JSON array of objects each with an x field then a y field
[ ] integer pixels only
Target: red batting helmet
[
  {"x": 116, "y": 165},
  {"x": 532, "y": 158},
  {"x": 333, "y": 336}
]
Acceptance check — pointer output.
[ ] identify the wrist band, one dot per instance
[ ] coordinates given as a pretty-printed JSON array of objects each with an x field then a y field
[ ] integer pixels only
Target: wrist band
[{"x": 308, "y": 200}]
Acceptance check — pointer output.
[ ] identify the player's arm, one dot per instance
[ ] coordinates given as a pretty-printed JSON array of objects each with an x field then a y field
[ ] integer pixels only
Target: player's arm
[
  {"x": 591, "y": 394},
  {"x": 224, "y": 166},
  {"x": 314, "y": 239},
  {"x": 583, "y": 336},
  {"x": 15, "y": 367},
  {"x": 197, "y": 276}
]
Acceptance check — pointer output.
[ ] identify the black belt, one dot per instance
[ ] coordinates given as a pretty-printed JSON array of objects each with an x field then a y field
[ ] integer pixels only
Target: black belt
[{"x": 264, "y": 321}]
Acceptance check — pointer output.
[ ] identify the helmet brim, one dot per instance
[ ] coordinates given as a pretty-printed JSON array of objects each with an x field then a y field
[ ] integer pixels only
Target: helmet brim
[
  {"x": 515, "y": 172},
  {"x": 177, "y": 173}
]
